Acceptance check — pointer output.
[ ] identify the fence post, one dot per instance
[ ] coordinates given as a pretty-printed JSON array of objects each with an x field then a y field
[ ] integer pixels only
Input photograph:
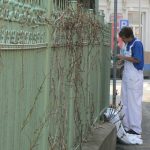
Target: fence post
[
  {"x": 96, "y": 6},
  {"x": 73, "y": 5}
]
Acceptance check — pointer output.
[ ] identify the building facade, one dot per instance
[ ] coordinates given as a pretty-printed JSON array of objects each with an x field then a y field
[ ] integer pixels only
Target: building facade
[{"x": 135, "y": 13}]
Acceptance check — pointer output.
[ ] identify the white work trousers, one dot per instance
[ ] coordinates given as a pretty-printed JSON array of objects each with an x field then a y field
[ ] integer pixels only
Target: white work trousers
[{"x": 131, "y": 97}]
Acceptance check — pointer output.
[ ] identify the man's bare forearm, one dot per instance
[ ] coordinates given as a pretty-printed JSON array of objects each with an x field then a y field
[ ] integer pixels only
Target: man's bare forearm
[{"x": 131, "y": 59}]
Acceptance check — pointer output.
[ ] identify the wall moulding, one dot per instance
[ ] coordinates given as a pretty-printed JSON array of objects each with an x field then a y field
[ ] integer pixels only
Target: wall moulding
[{"x": 23, "y": 46}]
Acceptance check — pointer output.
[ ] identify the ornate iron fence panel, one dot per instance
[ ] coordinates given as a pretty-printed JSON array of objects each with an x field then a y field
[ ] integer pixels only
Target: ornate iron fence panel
[{"x": 54, "y": 73}]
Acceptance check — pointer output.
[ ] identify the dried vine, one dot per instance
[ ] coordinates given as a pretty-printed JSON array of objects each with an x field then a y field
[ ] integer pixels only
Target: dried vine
[{"x": 72, "y": 30}]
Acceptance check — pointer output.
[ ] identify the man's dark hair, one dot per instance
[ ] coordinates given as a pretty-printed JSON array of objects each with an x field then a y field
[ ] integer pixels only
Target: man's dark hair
[{"x": 126, "y": 32}]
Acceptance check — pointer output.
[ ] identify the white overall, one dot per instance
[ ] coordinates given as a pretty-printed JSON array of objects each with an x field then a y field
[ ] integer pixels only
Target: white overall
[{"x": 131, "y": 95}]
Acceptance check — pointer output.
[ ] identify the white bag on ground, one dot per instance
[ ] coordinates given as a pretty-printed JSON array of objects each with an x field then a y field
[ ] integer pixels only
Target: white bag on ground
[{"x": 112, "y": 116}]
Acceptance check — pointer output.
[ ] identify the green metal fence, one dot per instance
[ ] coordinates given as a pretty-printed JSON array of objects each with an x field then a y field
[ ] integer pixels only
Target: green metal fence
[{"x": 54, "y": 79}]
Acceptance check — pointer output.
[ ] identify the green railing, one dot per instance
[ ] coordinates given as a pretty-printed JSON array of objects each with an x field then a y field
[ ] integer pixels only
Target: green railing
[{"x": 54, "y": 76}]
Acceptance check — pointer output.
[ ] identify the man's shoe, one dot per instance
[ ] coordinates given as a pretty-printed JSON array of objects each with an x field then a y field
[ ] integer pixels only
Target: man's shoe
[{"x": 132, "y": 132}]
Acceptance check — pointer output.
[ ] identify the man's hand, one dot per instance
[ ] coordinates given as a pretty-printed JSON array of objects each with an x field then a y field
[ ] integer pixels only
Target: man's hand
[
  {"x": 120, "y": 62},
  {"x": 121, "y": 57}
]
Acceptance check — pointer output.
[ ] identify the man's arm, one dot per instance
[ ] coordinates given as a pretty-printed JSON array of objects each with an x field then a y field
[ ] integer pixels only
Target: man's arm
[{"x": 131, "y": 59}]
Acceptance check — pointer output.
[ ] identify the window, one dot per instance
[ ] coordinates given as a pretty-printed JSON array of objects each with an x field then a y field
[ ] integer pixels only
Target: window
[
  {"x": 137, "y": 21},
  {"x": 133, "y": 17}
]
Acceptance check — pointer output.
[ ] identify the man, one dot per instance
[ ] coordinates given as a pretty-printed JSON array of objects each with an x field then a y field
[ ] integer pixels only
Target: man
[{"x": 132, "y": 81}]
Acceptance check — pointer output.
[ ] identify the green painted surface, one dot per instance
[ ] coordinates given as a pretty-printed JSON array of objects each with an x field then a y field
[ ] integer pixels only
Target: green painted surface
[{"x": 49, "y": 97}]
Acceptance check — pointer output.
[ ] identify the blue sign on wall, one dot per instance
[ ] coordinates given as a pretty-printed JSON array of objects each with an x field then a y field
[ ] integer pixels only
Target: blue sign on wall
[{"x": 124, "y": 23}]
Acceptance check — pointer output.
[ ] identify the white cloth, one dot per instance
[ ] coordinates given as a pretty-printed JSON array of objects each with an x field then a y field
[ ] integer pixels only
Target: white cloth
[
  {"x": 113, "y": 116},
  {"x": 131, "y": 95}
]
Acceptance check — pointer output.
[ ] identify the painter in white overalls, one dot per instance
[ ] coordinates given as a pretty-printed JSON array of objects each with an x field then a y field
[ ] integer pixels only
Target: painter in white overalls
[{"x": 132, "y": 86}]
